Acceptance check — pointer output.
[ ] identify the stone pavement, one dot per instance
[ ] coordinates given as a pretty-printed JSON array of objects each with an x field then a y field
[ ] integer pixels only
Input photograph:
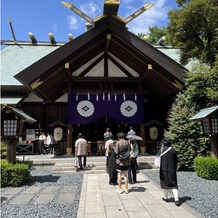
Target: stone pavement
[
  {"x": 39, "y": 195},
  {"x": 99, "y": 200}
]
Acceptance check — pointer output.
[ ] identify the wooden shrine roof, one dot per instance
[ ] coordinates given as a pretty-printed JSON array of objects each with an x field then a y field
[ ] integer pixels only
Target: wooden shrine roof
[{"x": 107, "y": 58}]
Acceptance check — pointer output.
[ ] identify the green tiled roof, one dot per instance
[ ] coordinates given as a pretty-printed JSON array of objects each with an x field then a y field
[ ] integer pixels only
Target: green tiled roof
[
  {"x": 173, "y": 53},
  {"x": 16, "y": 58}
]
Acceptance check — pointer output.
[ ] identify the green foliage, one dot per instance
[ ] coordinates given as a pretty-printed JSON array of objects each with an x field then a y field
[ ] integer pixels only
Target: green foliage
[
  {"x": 26, "y": 162},
  {"x": 202, "y": 83},
  {"x": 187, "y": 136},
  {"x": 3, "y": 149},
  {"x": 206, "y": 167},
  {"x": 14, "y": 175},
  {"x": 193, "y": 29},
  {"x": 154, "y": 34}
]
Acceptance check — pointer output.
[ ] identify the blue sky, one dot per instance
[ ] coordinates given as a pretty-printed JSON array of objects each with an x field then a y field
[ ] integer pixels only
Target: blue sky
[{"x": 43, "y": 16}]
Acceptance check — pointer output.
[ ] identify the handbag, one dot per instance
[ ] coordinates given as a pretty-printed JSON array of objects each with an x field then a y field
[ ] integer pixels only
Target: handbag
[
  {"x": 157, "y": 159},
  {"x": 76, "y": 162}
]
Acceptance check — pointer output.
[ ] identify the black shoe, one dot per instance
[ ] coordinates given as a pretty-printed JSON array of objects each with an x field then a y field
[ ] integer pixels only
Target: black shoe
[
  {"x": 164, "y": 199},
  {"x": 177, "y": 203}
]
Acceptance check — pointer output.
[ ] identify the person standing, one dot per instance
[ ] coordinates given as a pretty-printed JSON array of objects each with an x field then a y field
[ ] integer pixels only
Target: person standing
[
  {"x": 133, "y": 161},
  {"x": 42, "y": 142},
  {"x": 50, "y": 142},
  {"x": 123, "y": 161},
  {"x": 107, "y": 143},
  {"x": 168, "y": 173},
  {"x": 112, "y": 169},
  {"x": 131, "y": 131},
  {"x": 80, "y": 150},
  {"x": 107, "y": 134}
]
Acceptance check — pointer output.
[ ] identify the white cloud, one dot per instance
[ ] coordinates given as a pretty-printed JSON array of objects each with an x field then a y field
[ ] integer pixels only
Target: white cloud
[
  {"x": 53, "y": 27},
  {"x": 155, "y": 16},
  {"x": 91, "y": 9},
  {"x": 73, "y": 22}
]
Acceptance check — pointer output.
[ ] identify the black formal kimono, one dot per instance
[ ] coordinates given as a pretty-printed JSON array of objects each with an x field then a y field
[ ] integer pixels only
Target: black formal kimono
[
  {"x": 112, "y": 168},
  {"x": 168, "y": 166}
]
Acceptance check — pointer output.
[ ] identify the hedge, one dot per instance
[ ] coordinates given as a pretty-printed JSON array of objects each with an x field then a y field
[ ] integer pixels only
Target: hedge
[
  {"x": 14, "y": 175},
  {"x": 206, "y": 167}
]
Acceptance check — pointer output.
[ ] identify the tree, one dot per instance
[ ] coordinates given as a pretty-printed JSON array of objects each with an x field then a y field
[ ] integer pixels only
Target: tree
[
  {"x": 193, "y": 28},
  {"x": 187, "y": 136},
  {"x": 155, "y": 34},
  {"x": 201, "y": 92}
]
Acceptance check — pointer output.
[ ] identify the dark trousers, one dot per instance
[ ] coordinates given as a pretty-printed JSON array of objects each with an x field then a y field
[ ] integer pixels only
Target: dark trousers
[
  {"x": 80, "y": 161},
  {"x": 107, "y": 163},
  {"x": 113, "y": 180},
  {"x": 41, "y": 146},
  {"x": 51, "y": 148},
  {"x": 132, "y": 170}
]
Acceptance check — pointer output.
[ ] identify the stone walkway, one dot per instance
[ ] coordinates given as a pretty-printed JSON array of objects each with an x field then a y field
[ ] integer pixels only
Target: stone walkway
[{"x": 99, "y": 200}]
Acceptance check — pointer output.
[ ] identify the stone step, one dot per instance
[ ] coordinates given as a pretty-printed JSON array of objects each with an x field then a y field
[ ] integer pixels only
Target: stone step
[{"x": 93, "y": 166}]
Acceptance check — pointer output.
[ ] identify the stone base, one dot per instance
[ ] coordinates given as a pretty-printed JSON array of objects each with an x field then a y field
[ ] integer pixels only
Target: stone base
[{"x": 69, "y": 151}]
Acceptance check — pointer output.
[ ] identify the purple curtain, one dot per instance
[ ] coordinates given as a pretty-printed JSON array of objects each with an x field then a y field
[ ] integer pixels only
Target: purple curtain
[{"x": 88, "y": 108}]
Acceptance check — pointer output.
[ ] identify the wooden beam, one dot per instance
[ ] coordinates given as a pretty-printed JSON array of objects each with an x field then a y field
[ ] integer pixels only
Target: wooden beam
[
  {"x": 108, "y": 79},
  {"x": 105, "y": 66},
  {"x": 79, "y": 12},
  {"x": 144, "y": 74},
  {"x": 120, "y": 66},
  {"x": 107, "y": 45},
  {"x": 138, "y": 12},
  {"x": 69, "y": 77},
  {"x": 111, "y": 7},
  {"x": 113, "y": 91},
  {"x": 91, "y": 66}
]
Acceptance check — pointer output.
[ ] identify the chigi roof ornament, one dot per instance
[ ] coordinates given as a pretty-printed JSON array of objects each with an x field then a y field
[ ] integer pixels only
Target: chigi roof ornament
[{"x": 110, "y": 9}]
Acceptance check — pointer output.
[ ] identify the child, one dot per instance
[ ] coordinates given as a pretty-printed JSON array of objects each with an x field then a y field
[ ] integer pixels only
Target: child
[{"x": 112, "y": 165}]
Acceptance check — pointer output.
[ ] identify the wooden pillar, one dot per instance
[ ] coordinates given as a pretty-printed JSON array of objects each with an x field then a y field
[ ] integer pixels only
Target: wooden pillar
[
  {"x": 213, "y": 146},
  {"x": 11, "y": 150},
  {"x": 69, "y": 138},
  {"x": 44, "y": 121},
  {"x": 69, "y": 126},
  {"x": 142, "y": 134},
  {"x": 142, "y": 125}
]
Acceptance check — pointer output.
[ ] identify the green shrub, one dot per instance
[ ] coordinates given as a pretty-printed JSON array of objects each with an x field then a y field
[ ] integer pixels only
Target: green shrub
[
  {"x": 206, "y": 167},
  {"x": 14, "y": 175},
  {"x": 27, "y": 162},
  {"x": 3, "y": 149}
]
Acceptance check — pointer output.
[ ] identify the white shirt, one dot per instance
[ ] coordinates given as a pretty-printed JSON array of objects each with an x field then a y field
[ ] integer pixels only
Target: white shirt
[
  {"x": 81, "y": 145},
  {"x": 44, "y": 138},
  {"x": 131, "y": 132},
  {"x": 107, "y": 143},
  {"x": 48, "y": 140}
]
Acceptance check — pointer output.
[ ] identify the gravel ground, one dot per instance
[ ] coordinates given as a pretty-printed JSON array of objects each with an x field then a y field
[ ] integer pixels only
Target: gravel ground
[
  {"x": 44, "y": 178},
  {"x": 200, "y": 194}
]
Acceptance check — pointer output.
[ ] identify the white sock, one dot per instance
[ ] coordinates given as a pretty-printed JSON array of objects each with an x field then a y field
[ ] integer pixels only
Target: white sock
[{"x": 175, "y": 194}]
